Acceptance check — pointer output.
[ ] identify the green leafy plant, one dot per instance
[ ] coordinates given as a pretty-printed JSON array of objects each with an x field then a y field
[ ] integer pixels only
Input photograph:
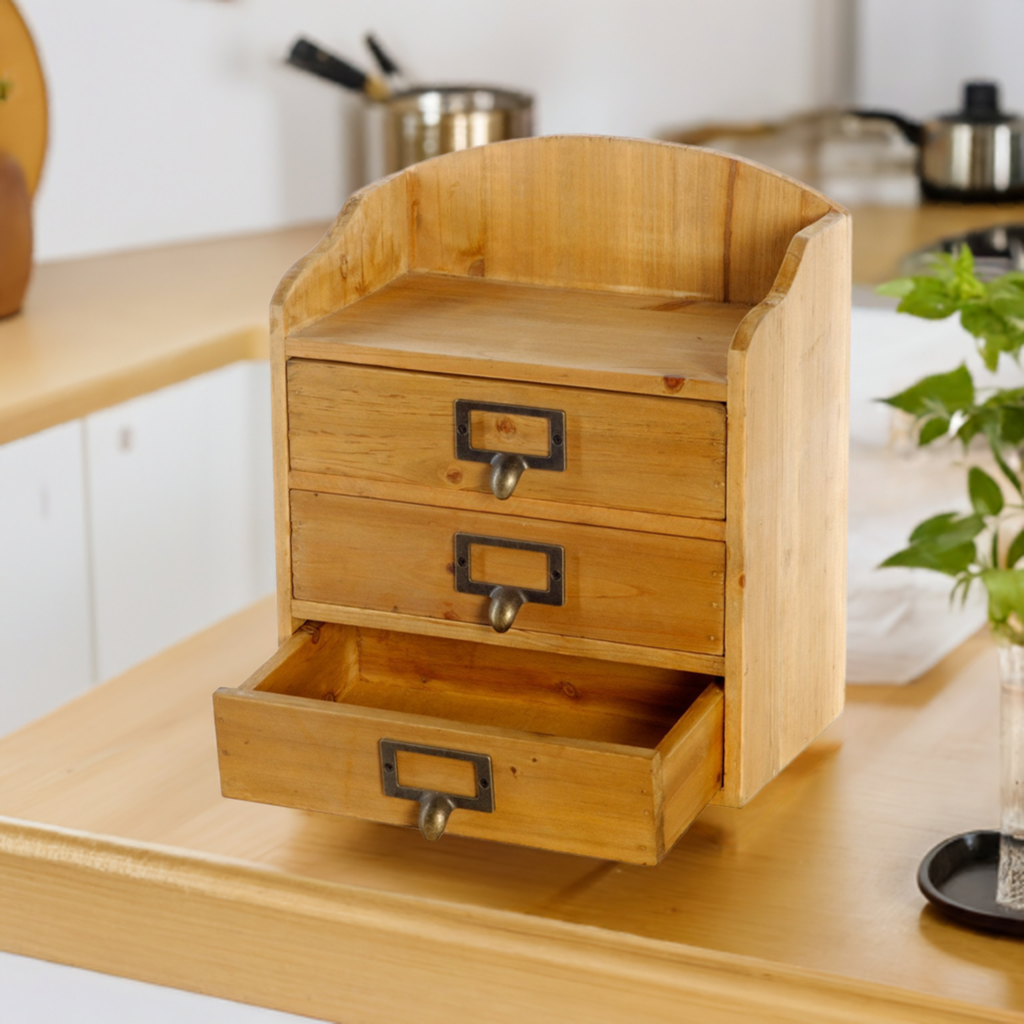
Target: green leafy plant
[{"x": 971, "y": 548}]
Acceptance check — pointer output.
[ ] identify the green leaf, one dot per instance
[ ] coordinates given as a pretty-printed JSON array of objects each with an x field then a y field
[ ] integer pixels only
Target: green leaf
[
  {"x": 933, "y": 429},
  {"x": 966, "y": 283},
  {"x": 1011, "y": 425},
  {"x": 898, "y": 288},
  {"x": 996, "y": 333},
  {"x": 934, "y": 527},
  {"x": 970, "y": 427},
  {"x": 931, "y": 299},
  {"x": 1009, "y": 306},
  {"x": 986, "y": 497},
  {"x": 942, "y": 393},
  {"x": 927, "y": 555},
  {"x": 1005, "y": 593},
  {"x": 1015, "y": 551},
  {"x": 964, "y": 261},
  {"x": 947, "y": 530}
]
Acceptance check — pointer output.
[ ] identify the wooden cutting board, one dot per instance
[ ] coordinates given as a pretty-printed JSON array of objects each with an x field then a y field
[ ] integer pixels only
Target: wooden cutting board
[{"x": 23, "y": 119}]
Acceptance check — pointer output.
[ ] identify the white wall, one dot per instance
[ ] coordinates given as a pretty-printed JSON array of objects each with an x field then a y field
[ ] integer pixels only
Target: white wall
[
  {"x": 176, "y": 119},
  {"x": 912, "y": 55}
]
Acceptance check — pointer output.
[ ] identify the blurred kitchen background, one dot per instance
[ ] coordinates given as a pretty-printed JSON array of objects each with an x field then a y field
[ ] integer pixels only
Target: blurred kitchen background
[{"x": 178, "y": 120}]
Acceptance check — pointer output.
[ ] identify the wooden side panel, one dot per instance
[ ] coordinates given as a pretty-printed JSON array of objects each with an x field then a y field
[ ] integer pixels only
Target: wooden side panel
[
  {"x": 786, "y": 515},
  {"x": 765, "y": 212},
  {"x": 621, "y": 451},
  {"x": 550, "y": 793},
  {"x": 577, "y": 212},
  {"x": 630, "y": 588},
  {"x": 691, "y": 764},
  {"x": 366, "y": 247}
]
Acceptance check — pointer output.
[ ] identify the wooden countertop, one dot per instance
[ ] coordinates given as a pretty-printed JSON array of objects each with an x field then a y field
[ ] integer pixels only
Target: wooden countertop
[
  {"x": 883, "y": 235},
  {"x": 97, "y": 331},
  {"x": 117, "y": 853}
]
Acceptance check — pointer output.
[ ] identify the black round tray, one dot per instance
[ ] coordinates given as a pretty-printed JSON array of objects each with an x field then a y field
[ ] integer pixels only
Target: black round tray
[{"x": 959, "y": 878}]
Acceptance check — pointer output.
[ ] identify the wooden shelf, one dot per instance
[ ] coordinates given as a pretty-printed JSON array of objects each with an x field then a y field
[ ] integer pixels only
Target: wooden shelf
[
  {"x": 676, "y": 347},
  {"x": 98, "y": 331},
  {"x": 117, "y": 853}
]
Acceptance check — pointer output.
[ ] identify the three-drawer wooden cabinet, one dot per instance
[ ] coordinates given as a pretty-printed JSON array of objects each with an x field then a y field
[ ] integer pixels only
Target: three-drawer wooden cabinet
[{"x": 560, "y": 453}]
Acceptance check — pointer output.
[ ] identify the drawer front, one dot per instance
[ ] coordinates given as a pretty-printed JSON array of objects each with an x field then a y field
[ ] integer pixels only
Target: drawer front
[
  {"x": 282, "y": 740},
  {"x": 619, "y": 451},
  {"x": 621, "y": 586}
]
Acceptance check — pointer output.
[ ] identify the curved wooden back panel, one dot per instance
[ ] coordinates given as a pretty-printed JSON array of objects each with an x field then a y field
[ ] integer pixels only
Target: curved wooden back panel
[{"x": 565, "y": 211}]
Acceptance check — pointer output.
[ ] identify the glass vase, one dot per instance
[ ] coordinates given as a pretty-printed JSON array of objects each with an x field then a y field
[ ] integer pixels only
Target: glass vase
[{"x": 1010, "y": 886}]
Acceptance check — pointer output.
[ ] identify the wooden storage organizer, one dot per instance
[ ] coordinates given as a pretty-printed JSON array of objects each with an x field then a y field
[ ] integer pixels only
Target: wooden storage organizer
[{"x": 671, "y": 322}]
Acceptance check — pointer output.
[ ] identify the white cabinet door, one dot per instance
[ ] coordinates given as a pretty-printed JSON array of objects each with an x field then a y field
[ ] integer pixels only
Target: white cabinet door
[
  {"x": 182, "y": 522},
  {"x": 45, "y": 633}
]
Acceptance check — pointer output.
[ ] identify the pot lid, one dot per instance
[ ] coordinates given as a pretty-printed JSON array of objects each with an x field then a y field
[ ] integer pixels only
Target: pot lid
[{"x": 980, "y": 106}]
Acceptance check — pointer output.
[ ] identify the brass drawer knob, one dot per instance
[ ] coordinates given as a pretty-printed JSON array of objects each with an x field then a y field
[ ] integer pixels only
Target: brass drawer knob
[
  {"x": 435, "y": 809},
  {"x": 505, "y": 473},
  {"x": 504, "y": 607}
]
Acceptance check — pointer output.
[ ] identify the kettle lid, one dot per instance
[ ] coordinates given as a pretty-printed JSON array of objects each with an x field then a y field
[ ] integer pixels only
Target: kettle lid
[{"x": 980, "y": 105}]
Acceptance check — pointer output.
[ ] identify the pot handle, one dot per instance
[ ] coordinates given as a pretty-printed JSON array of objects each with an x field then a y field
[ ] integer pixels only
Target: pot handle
[{"x": 911, "y": 129}]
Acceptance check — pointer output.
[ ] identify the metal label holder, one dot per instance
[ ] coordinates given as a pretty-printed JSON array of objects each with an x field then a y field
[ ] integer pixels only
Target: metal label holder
[
  {"x": 464, "y": 582},
  {"x": 554, "y": 460}
]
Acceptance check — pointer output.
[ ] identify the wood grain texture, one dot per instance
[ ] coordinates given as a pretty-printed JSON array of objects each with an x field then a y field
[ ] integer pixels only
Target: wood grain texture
[
  {"x": 98, "y": 331},
  {"x": 615, "y": 342},
  {"x": 555, "y": 643},
  {"x": 589, "y": 515},
  {"x": 446, "y": 247},
  {"x": 786, "y": 520},
  {"x": 627, "y": 588},
  {"x": 547, "y": 204},
  {"x": 118, "y": 854},
  {"x": 366, "y": 246},
  {"x": 608, "y": 215},
  {"x": 548, "y": 693},
  {"x": 592, "y": 792},
  {"x": 398, "y": 428}
]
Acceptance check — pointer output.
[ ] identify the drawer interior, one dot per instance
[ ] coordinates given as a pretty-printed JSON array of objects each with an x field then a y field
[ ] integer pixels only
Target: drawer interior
[
  {"x": 478, "y": 684},
  {"x": 584, "y": 756}
]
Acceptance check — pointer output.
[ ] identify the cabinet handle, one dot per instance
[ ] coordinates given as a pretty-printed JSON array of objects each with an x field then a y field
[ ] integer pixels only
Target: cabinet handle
[
  {"x": 505, "y": 600},
  {"x": 435, "y": 807},
  {"x": 505, "y": 473},
  {"x": 508, "y": 467}
]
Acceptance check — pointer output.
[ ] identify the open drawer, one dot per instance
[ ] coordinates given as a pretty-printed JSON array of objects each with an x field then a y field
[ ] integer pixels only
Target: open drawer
[{"x": 563, "y": 753}]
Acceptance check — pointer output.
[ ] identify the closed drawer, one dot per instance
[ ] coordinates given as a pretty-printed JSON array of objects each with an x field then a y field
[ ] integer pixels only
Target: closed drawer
[
  {"x": 649, "y": 590},
  {"x": 571, "y": 754},
  {"x": 401, "y": 429}
]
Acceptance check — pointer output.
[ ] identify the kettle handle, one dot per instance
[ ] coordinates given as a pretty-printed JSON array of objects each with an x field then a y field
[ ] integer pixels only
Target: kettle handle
[{"x": 911, "y": 129}]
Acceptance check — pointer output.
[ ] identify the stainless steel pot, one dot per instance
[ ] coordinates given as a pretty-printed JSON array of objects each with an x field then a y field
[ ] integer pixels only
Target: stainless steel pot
[
  {"x": 975, "y": 154},
  {"x": 431, "y": 120}
]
